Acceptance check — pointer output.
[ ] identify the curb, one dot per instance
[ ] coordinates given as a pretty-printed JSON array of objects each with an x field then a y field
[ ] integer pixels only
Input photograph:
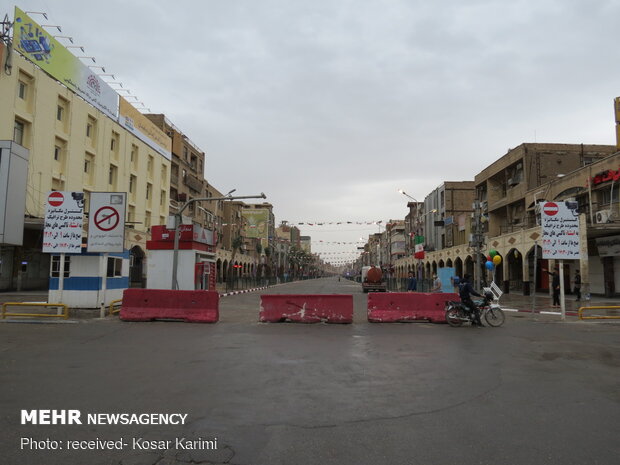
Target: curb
[
  {"x": 542, "y": 312},
  {"x": 244, "y": 291}
]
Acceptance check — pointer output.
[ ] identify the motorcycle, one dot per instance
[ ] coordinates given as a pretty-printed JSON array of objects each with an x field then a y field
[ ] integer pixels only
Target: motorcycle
[{"x": 458, "y": 313}]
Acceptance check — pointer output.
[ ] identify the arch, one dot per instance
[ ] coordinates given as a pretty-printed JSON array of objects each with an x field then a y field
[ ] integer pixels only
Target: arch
[
  {"x": 535, "y": 275},
  {"x": 440, "y": 264},
  {"x": 136, "y": 267},
  {"x": 514, "y": 270},
  {"x": 218, "y": 270},
  {"x": 458, "y": 267},
  {"x": 449, "y": 263},
  {"x": 225, "y": 271},
  {"x": 469, "y": 266}
]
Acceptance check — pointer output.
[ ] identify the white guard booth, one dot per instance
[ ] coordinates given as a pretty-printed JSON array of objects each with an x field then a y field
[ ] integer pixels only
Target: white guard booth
[
  {"x": 80, "y": 285},
  {"x": 196, "y": 258}
]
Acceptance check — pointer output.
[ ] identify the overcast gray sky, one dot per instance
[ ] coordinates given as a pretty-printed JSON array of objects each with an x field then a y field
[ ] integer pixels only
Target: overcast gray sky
[{"x": 330, "y": 107}]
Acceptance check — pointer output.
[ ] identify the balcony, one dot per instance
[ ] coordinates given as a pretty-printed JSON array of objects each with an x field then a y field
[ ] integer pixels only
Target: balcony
[{"x": 192, "y": 182}]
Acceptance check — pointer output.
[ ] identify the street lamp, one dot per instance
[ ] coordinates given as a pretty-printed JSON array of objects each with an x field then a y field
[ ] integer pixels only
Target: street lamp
[{"x": 177, "y": 221}]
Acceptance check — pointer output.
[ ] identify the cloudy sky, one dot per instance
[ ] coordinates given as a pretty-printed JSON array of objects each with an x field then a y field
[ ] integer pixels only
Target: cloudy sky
[{"x": 329, "y": 107}]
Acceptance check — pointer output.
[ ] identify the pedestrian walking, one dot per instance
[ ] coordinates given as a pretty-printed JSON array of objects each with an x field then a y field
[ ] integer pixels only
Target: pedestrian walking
[{"x": 577, "y": 285}]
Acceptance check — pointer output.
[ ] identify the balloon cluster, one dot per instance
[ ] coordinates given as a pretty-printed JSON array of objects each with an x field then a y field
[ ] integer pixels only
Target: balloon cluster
[{"x": 493, "y": 259}]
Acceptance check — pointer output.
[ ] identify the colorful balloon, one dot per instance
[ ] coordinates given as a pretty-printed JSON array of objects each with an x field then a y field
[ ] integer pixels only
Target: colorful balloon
[
  {"x": 489, "y": 265},
  {"x": 497, "y": 260},
  {"x": 492, "y": 253}
]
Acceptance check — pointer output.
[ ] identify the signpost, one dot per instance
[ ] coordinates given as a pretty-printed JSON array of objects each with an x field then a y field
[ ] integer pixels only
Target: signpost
[
  {"x": 560, "y": 237},
  {"x": 62, "y": 231},
  {"x": 106, "y": 230}
]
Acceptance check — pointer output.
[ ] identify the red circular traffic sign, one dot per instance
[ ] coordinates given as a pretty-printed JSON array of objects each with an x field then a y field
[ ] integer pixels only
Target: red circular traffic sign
[
  {"x": 551, "y": 208},
  {"x": 107, "y": 218},
  {"x": 55, "y": 199}
]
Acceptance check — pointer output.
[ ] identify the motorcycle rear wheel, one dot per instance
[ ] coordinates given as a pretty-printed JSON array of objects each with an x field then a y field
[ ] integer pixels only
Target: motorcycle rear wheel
[
  {"x": 452, "y": 317},
  {"x": 494, "y": 317}
]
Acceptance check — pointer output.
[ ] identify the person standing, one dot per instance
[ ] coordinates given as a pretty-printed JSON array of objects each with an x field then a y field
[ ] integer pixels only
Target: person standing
[
  {"x": 578, "y": 285},
  {"x": 555, "y": 286},
  {"x": 436, "y": 284},
  {"x": 412, "y": 284}
]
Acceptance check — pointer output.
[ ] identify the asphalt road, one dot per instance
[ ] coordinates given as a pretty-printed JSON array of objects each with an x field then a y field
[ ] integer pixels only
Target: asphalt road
[{"x": 530, "y": 392}]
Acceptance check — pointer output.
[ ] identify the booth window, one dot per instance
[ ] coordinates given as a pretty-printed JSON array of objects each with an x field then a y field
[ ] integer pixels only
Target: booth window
[
  {"x": 56, "y": 266},
  {"x": 115, "y": 266}
]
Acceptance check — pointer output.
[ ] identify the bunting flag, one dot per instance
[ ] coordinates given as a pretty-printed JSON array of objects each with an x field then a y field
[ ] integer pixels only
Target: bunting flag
[{"x": 419, "y": 247}]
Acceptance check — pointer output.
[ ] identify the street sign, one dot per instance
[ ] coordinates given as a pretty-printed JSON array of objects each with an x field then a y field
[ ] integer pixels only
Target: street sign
[
  {"x": 55, "y": 199},
  {"x": 106, "y": 222},
  {"x": 560, "y": 230},
  {"x": 64, "y": 216}
]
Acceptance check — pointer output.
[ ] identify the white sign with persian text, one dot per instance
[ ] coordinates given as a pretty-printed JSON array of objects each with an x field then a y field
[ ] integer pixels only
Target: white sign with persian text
[
  {"x": 64, "y": 217},
  {"x": 106, "y": 222},
  {"x": 560, "y": 231}
]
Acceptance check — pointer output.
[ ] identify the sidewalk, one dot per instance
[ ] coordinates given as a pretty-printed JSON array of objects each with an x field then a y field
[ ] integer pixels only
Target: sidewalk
[{"x": 544, "y": 302}]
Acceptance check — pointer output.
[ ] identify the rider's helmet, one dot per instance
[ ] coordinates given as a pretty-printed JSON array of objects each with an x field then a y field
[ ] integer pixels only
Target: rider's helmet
[{"x": 489, "y": 296}]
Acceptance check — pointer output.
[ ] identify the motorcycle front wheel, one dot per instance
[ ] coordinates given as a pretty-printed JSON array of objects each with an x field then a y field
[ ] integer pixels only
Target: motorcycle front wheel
[
  {"x": 494, "y": 316},
  {"x": 452, "y": 317}
]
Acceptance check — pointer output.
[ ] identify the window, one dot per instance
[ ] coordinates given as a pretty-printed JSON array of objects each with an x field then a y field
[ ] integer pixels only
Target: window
[
  {"x": 149, "y": 165},
  {"x": 133, "y": 157},
  {"x": 86, "y": 166},
  {"x": 115, "y": 267},
  {"x": 162, "y": 198},
  {"x": 59, "y": 112},
  {"x": 91, "y": 128},
  {"x": 112, "y": 144},
  {"x": 149, "y": 189},
  {"x": 57, "y": 153},
  {"x": 112, "y": 175},
  {"x": 18, "y": 132},
  {"x": 22, "y": 90},
  {"x": 56, "y": 266},
  {"x": 132, "y": 184}
]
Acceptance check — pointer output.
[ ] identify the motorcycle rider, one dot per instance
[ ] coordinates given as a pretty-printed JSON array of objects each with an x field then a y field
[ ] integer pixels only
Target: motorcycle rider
[{"x": 466, "y": 290}]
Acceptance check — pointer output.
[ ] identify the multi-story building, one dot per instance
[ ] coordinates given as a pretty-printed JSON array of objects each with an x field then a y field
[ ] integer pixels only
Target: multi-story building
[
  {"x": 76, "y": 146},
  {"x": 186, "y": 172},
  {"x": 501, "y": 187},
  {"x": 448, "y": 206}
]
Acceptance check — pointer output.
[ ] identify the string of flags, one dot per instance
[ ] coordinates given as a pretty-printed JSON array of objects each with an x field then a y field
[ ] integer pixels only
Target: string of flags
[{"x": 323, "y": 223}]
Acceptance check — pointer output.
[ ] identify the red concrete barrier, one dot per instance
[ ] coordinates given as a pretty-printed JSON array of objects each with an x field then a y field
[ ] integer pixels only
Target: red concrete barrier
[
  {"x": 300, "y": 308},
  {"x": 152, "y": 304},
  {"x": 408, "y": 306}
]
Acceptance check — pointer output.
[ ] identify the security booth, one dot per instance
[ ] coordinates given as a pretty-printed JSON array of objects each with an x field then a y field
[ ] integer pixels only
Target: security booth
[
  {"x": 88, "y": 280},
  {"x": 196, "y": 258}
]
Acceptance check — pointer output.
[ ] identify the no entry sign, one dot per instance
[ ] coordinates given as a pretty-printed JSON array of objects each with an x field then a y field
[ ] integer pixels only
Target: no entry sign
[
  {"x": 550, "y": 209},
  {"x": 55, "y": 199},
  {"x": 106, "y": 223}
]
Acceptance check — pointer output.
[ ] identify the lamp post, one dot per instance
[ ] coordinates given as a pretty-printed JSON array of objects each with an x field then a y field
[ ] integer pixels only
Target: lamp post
[{"x": 177, "y": 221}]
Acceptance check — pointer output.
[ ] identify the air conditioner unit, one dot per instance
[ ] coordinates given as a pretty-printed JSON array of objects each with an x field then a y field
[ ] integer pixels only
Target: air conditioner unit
[
  {"x": 513, "y": 181},
  {"x": 602, "y": 216}
]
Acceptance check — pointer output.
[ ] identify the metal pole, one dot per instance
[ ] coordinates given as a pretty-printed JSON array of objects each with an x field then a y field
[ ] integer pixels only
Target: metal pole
[
  {"x": 535, "y": 270},
  {"x": 104, "y": 279},
  {"x": 562, "y": 303},
  {"x": 177, "y": 221},
  {"x": 61, "y": 280}
]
